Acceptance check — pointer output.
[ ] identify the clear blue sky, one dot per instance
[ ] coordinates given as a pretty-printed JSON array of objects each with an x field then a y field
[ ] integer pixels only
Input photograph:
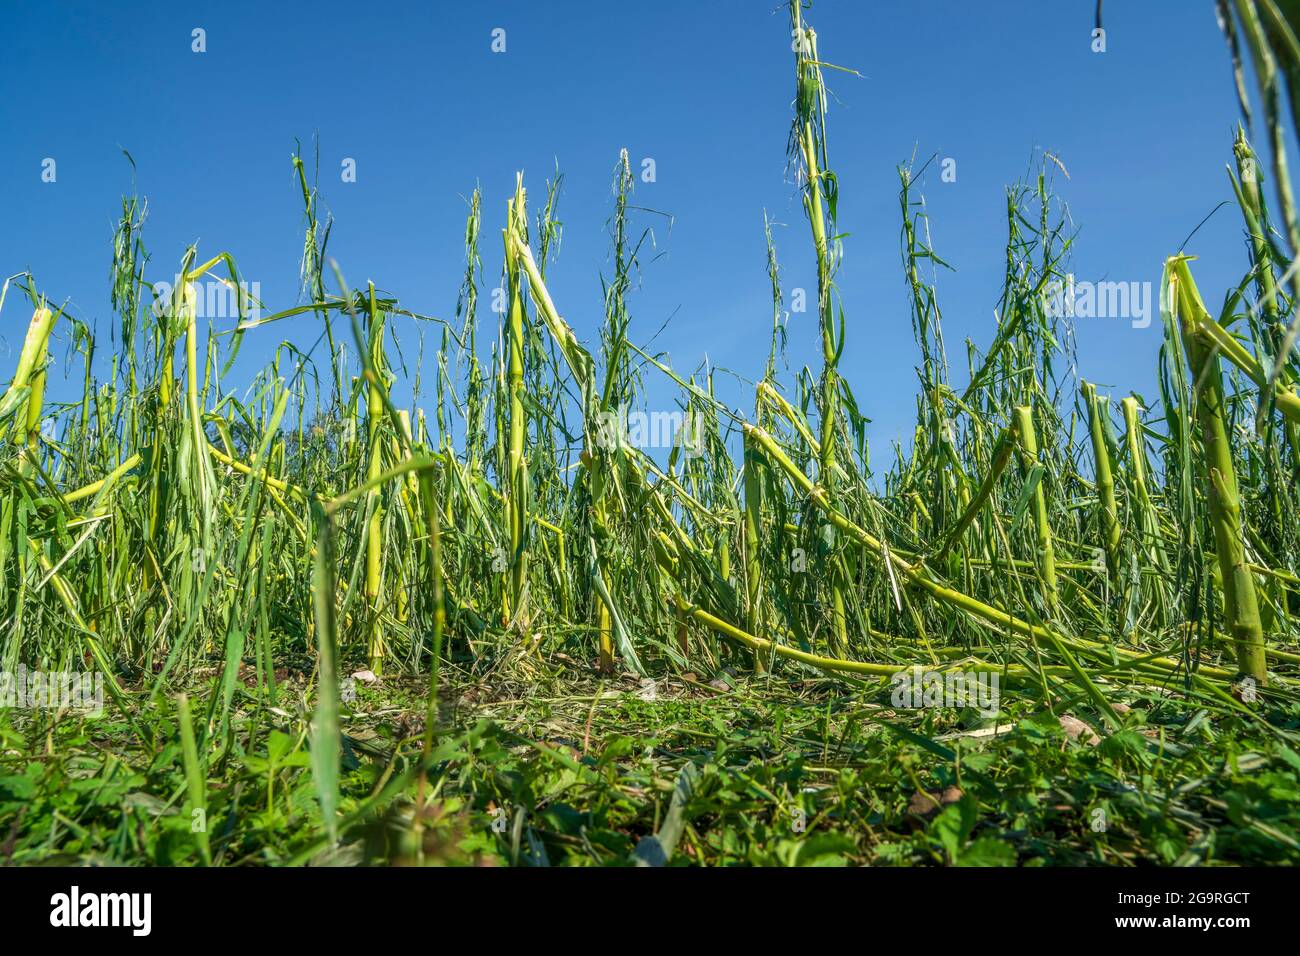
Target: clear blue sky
[{"x": 413, "y": 92}]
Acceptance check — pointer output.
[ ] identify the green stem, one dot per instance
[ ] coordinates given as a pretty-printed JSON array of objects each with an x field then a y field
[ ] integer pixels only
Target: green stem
[{"x": 1240, "y": 604}]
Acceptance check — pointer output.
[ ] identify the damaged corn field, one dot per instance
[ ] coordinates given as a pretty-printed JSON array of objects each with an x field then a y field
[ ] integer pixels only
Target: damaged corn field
[{"x": 309, "y": 619}]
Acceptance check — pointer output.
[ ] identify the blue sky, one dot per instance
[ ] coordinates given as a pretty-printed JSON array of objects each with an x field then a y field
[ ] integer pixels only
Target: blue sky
[{"x": 414, "y": 94}]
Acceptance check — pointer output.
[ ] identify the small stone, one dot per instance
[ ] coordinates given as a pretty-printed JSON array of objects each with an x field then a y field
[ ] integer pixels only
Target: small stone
[
  {"x": 1076, "y": 729},
  {"x": 929, "y": 803}
]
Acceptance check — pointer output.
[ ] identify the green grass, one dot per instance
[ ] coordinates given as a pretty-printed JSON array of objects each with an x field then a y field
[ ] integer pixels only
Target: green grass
[
  {"x": 508, "y": 585},
  {"x": 587, "y": 770}
]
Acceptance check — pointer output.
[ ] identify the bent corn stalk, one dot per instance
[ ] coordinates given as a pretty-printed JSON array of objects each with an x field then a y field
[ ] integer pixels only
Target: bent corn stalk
[{"x": 1240, "y": 603}]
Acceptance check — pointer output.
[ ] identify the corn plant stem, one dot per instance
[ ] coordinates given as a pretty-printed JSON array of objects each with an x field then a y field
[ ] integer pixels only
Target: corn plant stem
[
  {"x": 517, "y": 476},
  {"x": 753, "y": 559},
  {"x": 1250, "y": 198},
  {"x": 1241, "y": 608},
  {"x": 1213, "y": 334},
  {"x": 1002, "y": 451},
  {"x": 1028, "y": 438},
  {"x": 1108, "y": 517},
  {"x": 808, "y": 95},
  {"x": 374, "y": 527},
  {"x": 917, "y": 575}
]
